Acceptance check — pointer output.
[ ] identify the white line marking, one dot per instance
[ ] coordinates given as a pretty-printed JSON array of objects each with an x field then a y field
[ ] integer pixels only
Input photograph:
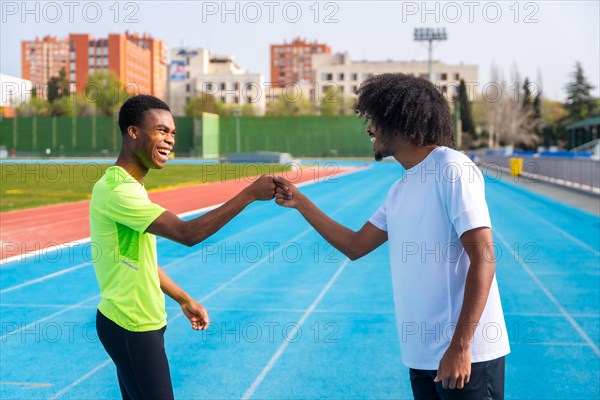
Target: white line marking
[
  {"x": 26, "y": 327},
  {"x": 576, "y": 344},
  {"x": 178, "y": 315},
  {"x": 51, "y": 249},
  {"x": 27, "y": 384},
  {"x": 223, "y": 286},
  {"x": 182, "y": 215},
  {"x": 81, "y": 379},
  {"x": 46, "y": 250},
  {"x": 285, "y": 343},
  {"x": 556, "y": 228},
  {"x": 43, "y": 278},
  {"x": 564, "y": 312}
]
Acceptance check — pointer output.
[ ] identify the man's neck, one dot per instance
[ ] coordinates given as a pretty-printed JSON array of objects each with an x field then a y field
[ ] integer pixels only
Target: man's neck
[
  {"x": 409, "y": 154},
  {"x": 132, "y": 166}
]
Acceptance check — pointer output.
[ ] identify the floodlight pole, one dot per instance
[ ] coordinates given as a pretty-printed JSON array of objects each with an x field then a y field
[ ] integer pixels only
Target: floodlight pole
[{"x": 429, "y": 35}]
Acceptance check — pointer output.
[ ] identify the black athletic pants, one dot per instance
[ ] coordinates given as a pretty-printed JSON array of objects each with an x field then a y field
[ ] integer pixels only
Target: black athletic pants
[
  {"x": 486, "y": 383},
  {"x": 142, "y": 366}
]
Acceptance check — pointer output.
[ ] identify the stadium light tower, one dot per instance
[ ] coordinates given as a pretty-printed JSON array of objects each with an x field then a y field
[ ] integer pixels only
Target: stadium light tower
[{"x": 429, "y": 35}]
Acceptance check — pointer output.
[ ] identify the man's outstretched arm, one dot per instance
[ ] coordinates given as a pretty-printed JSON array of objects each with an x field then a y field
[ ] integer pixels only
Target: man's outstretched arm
[
  {"x": 194, "y": 231},
  {"x": 352, "y": 244},
  {"x": 193, "y": 310}
]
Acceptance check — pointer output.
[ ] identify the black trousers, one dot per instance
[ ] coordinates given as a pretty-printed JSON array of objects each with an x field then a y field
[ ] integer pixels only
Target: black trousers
[
  {"x": 486, "y": 383},
  {"x": 142, "y": 365}
]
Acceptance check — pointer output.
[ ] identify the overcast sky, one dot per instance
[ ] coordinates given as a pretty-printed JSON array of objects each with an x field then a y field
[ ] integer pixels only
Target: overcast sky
[{"x": 540, "y": 39}]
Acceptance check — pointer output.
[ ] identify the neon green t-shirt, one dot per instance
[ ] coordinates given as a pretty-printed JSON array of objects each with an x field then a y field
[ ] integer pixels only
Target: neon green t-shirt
[{"x": 124, "y": 254}]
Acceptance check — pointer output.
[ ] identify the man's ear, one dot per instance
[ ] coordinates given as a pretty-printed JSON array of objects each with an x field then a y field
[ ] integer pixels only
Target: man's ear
[{"x": 132, "y": 132}]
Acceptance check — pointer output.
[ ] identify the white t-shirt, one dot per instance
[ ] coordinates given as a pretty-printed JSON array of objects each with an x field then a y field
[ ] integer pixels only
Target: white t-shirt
[{"x": 424, "y": 214}]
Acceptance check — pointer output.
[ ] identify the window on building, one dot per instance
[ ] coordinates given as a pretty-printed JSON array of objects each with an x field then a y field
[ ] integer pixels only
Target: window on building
[
  {"x": 187, "y": 87},
  {"x": 187, "y": 74},
  {"x": 327, "y": 76},
  {"x": 237, "y": 99},
  {"x": 223, "y": 86},
  {"x": 236, "y": 86},
  {"x": 456, "y": 76},
  {"x": 340, "y": 76},
  {"x": 354, "y": 89},
  {"x": 442, "y": 76},
  {"x": 208, "y": 86},
  {"x": 366, "y": 75},
  {"x": 354, "y": 76},
  {"x": 187, "y": 61}
]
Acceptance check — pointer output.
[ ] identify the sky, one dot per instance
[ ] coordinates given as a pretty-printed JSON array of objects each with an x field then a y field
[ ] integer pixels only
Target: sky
[{"x": 541, "y": 40}]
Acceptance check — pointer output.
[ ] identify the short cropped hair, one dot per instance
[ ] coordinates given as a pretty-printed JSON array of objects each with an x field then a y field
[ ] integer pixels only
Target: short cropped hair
[
  {"x": 404, "y": 105},
  {"x": 132, "y": 111}
]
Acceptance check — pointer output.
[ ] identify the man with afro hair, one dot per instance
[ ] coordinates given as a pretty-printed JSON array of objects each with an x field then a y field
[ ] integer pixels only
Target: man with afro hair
[{"x": 445, "y": 291}]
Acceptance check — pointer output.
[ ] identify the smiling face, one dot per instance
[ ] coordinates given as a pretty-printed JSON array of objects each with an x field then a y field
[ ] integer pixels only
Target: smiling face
[{"x": 154, "y": 138}]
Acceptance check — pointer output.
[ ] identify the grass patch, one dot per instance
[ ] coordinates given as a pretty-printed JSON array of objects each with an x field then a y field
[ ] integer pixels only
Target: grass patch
[{"x": 33, "y": 185}]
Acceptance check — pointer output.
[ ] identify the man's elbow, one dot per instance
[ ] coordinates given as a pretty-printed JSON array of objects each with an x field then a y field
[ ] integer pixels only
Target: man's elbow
[{"x": 354, "y": 254}]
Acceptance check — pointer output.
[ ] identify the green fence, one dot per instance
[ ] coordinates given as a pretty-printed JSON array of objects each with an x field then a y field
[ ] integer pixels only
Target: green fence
[{"x": 309, "y": 136}]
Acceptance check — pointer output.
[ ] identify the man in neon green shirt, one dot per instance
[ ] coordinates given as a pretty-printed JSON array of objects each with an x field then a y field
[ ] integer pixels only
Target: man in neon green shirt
[{"x": 131, "y": 317}]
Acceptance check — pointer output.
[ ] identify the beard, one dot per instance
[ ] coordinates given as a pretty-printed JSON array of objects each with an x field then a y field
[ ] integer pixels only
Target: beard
[{"x": 382, "y": 147}]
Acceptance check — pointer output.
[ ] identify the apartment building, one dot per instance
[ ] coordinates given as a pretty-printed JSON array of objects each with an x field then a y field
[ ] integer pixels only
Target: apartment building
[
  {"x": 195, "y": 72},
  {"x": 291, "y": 63}
]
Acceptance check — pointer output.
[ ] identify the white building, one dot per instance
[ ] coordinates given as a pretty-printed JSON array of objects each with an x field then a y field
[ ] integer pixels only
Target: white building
[
  {"x": 14, "y": 91},
  {"x": 347, "y": 75},
  {"x": 197, "y": 71}
]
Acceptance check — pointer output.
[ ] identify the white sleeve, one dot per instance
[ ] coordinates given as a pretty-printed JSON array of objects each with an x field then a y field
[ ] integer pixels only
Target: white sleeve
[
  {"x": 465, "y": 198},
  {"x": 379, "y": 219}
]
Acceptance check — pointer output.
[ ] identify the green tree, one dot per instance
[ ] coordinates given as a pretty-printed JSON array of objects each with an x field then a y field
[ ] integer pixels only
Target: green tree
[
  {"x": 285, "y": 106},
  {"x": 331, "y": 102},
  {"x": 248, "y": 109},
  {"x": 58, "y": 86},
  {"x": 466, "y": 115},
  {"x": 205, "y": 102},
  {"x": 580, "y": 104},
  {"x": 105, "y": 92}
]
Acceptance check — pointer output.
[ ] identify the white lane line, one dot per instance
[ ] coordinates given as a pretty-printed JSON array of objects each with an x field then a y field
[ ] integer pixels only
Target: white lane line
[
  {"x": 556, "y": 228},
  {"x": 74, "y": 243},
  {"x": 39, "y": 321},
  {"x": 81, "y": 379},
  {"x": 178, "y": 315},
  {"x": 553, "y": 299},
  {"x": 285, "y": 343},
  {"x": 27, "y": 385},
  {"x": 65, "y": 246},
  {"x": 43, "y": 278},
  {"x": 220, "y": 288}
]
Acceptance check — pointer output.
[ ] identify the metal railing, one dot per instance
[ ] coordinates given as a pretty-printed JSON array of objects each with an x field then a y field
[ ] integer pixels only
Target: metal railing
[{"x": 583, "y": 174}]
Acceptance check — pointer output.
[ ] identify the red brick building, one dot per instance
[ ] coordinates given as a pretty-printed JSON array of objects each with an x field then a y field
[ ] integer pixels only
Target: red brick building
[
  {"x": 138, "y": 61},
  {"x": 291, "y": 62}
]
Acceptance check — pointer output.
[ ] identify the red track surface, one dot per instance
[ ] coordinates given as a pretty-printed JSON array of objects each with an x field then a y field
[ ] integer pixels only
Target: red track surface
[{"x": 37, "y": 228}]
